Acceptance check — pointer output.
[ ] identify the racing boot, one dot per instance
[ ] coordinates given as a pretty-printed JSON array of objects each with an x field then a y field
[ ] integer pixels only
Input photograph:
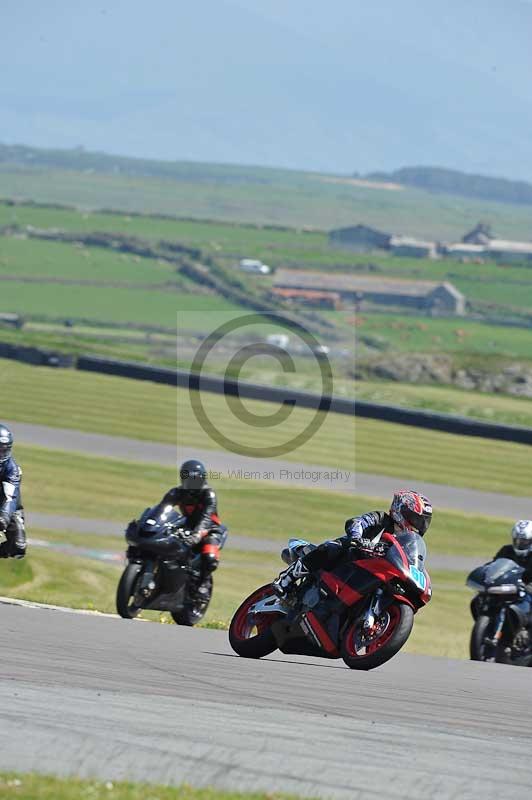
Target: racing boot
[
  {"x": 285, "y": 583},
  {"x": 201, "y": 587},
  {"x": 16, "y": 536}
]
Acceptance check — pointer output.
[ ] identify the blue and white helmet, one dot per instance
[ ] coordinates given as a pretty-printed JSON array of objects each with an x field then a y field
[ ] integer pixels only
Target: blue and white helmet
[
  {"x": 6, "y": 444},
  {"x": 522, "y": 537}
]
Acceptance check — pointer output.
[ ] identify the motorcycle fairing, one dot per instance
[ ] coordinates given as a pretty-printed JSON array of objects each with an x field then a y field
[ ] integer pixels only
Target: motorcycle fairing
[{"x": 312, "y": 625}]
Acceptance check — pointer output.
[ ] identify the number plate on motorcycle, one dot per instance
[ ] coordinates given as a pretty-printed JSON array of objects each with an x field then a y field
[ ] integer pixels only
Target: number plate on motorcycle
[{"x": 418, "y": 577}]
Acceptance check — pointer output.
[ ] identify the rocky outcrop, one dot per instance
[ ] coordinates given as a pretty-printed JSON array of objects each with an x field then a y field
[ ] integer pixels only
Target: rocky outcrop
[{"x": 423, "y": 368}]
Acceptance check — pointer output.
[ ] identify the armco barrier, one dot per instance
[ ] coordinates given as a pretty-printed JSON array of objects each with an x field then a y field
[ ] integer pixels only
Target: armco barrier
[{"x": 403, "y": 416}]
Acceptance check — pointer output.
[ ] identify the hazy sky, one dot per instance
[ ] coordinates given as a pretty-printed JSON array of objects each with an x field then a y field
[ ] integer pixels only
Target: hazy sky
[{"x": 340, "y": 86}]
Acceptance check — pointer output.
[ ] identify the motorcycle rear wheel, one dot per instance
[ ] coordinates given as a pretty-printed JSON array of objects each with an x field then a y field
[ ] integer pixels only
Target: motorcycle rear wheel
[
  {"x": 242, "y": 636},
  {"x": 125, "y": 592},
  {"x": 362, "y": 652}
]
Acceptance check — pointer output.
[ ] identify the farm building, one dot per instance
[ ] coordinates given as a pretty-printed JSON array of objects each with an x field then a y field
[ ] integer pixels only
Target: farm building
[
  {"x": 481, "y": 234},
  {"x": 353, "y": 289},
  {"x": 415, "y": 248},
  {"x": 464, "y": 250},
  {"x": 311, "y": 297},
  {"x": 360, "y": 238},
  {"x": 506, "y": 251}
]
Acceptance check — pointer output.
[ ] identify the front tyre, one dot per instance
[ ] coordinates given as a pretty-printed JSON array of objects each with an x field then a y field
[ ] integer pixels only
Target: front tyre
[
  {"x": 361, "y": 649},
  {"x": 125, "y": 593},
  {"x": 194, "y": 609},
  {"x": 481, "y": 645},
  {"x": 250, "y": 635}
]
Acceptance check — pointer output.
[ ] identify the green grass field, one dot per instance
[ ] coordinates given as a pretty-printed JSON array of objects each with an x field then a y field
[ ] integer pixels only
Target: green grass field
[
  {"x": 465, "y": 338},
  {"x": 24, "y": 786},
  {"x": 479, "y": 405},
  {"x": 103, "y": 304},
  {"x": 34, "y": 258},
  {"x": 261, "y": 195},
  {"x": 139, "y": 409},
  {"x": 127, "y": 286},
  {"x": 56, "y": 483}
]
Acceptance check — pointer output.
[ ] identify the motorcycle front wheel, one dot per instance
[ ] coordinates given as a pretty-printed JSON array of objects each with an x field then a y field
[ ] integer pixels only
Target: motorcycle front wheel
[
  {"x": 481, "y": 648},
  {"x": 367, "y": 649},
  {"x": 125, "y": 593},
  {"x": 251, "y": 636},
  {"x": 194, "y": 610}
]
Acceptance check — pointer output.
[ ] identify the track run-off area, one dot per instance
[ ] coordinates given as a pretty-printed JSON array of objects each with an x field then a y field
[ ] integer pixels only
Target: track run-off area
[
  {"x": 96, "y": 696},
  {"x": 287, "y": 473}
]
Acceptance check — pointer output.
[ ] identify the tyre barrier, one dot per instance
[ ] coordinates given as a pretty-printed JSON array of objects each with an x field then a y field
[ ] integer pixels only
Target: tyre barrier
[
  {"x": 36, "y": 356},
  {"x": 430, "y": 420}
]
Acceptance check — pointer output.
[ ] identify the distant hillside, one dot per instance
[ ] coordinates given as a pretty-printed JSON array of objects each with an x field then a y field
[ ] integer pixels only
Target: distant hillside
[
  {"x": 79, "y": 159},
  {"x": 245, "y": 194},
  {"x": 481, "y": 187}
]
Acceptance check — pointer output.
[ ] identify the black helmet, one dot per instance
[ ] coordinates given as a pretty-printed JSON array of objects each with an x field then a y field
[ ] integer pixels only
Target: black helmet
[
  {"x": 193, "y": 475},
  {"x": 6, "y": 444}
]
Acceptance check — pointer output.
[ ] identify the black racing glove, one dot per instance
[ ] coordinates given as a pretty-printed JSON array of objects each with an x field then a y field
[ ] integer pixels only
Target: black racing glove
[
  {"x": 190, "y": 538},
  {"x": 369, "y": 546}
]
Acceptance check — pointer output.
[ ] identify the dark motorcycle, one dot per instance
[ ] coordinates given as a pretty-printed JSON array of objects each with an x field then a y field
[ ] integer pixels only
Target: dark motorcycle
[
  {"x": 502, "y": 611},
  {"x": 162, "y": 572},
  {"x": 361, "y": 611}
]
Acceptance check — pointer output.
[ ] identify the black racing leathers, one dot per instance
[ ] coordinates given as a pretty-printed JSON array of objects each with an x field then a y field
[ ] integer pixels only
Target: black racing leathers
[
  {"x": 11, "y": 510},
  {"x": 367, "y": 526},
  {"x": 206, "y": 530},
  {"x": 507, "y": 551}
]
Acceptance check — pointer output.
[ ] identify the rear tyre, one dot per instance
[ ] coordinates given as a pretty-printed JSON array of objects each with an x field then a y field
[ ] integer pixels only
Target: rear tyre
[
  {"x": 125, "y": 593},
  {"x": 361, "y": 650},
  {"x": 194, "y": 609},
  {"x": 253, "y": 638}
]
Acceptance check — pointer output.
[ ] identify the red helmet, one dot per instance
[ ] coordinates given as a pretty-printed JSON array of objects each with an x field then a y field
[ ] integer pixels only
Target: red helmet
[{"x": 411, "y": 512}]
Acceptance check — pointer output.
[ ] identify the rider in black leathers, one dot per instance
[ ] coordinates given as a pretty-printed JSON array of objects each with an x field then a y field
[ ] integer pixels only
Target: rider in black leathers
[
  {"x": 520, "y": 550},
  {"x": 197, "y": 501},
  {"x": 11, "y": 510},
  {"x": 409, "y": 511}
]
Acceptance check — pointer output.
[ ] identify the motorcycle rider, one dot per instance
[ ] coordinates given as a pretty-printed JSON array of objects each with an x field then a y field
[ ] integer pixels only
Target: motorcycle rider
[
  {"x": 11, "y": 511},
  {"x": 520, "y": 550},
  {"x": 410, "y": 512},
  {"x": 197, "y": 501}
]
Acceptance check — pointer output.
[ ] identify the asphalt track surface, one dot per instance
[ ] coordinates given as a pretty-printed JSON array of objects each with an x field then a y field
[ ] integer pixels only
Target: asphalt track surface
[
  {"x": 286, "y": 473},
  {"x": 102, "y": 697}
]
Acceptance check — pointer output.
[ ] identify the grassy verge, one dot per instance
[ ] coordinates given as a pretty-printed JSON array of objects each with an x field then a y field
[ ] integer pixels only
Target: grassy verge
[
  {"x": 47, "y": 576},
  {"x": 443, "y": 628},
  {"x": 143, "y": 410},
  {"x": 415, "y": 454},
  {"x": 59, "y": 483},
  {"x": 479, "y": 405},
  {"x": 22, "y": 786}
]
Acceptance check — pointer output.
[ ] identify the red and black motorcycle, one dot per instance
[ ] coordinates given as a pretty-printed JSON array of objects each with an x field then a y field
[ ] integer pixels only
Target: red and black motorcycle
[{"x": 361, "y": 611}]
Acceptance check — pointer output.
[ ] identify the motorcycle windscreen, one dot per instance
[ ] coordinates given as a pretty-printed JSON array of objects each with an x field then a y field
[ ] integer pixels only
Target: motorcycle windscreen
[
  {"x": 414, "y": 548},
  {"x": 159, "y": 516},
  {"x": 502, "y": 570}
]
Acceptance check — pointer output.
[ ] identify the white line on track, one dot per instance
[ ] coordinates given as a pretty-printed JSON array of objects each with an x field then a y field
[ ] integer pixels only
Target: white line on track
[{"x": 13, "y": 601}]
